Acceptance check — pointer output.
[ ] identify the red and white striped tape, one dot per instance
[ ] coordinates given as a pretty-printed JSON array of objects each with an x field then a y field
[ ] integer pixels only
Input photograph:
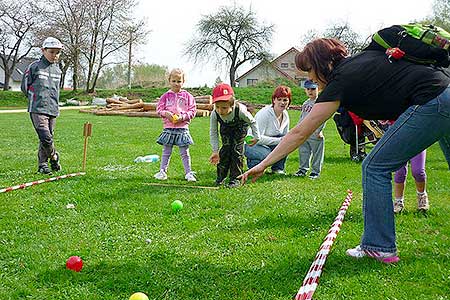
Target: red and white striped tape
[
  {"x": 311, "y": 280},
  {"x": 28, "y": 184}
]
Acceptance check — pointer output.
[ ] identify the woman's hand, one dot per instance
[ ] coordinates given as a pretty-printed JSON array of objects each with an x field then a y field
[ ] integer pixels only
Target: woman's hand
[
  {"x": 214, "y": 158},
  {"x": 255, "y": 172}
]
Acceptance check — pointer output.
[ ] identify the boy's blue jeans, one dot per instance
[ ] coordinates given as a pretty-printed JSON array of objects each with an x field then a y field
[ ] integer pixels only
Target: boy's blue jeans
[
  {"x": 258, "y": 153},
  {"x": 416, "y": 129}
]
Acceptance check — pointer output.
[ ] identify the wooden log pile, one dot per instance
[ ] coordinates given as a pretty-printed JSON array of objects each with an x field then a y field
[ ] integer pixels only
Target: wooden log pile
[{"x": 121, "y": 106}]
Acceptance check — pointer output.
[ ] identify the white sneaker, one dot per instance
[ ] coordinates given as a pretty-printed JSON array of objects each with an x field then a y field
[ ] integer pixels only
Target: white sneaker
[
  {"x": 190, "y": 176},
  {"x": 385, "y": 257},
  {"x": 398, "y": 206},
  {"x": 422, "y": 202},
  {"x": 161, "y": 175},
  {"x": 279, "y": 172}
]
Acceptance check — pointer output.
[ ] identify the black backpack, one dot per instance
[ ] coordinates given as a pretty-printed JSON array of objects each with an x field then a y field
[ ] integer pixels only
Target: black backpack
[
  {"x": 345, "y": 126},
  {"x": 419, "y": 43}
]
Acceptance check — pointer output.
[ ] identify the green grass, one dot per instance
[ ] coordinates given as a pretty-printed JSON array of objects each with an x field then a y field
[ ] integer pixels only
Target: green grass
[{"x": 254, "y": 242}]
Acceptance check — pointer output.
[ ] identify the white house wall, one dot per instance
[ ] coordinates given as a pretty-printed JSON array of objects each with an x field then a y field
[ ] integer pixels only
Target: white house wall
[
  {"x": 262, "y": 73},
  {"x": 15, "y": 86},
  {"x": 2, "y": 75},
  {"x": 289, "y": 59}
]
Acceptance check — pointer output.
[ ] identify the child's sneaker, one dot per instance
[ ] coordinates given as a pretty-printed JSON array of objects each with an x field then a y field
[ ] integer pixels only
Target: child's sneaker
[
  {"x": 54, "y": 162},
  {"x": 385, "y": 257},
  {"x": 234, "y": 183},
  {"x": 398, "y": 206},
  {"x": 279, "y": 172},
  {"x": 219, "y": 182},
  {"x": 422, "y": 202},
  {"x": 44, "y": 169},
  {"x": 314, "y": 175},
  {"x": 161, "y": 175},
  {"x": 300, "y": 173},
  {"x": 190, "y": 176}
]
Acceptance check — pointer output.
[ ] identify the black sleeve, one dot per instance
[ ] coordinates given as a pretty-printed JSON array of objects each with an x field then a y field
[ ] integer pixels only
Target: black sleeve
[{"x": 331, "y": 93}]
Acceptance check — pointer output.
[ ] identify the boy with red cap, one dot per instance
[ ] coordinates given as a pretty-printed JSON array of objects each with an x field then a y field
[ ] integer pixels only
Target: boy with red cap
[{"x": 234, "y": 120}]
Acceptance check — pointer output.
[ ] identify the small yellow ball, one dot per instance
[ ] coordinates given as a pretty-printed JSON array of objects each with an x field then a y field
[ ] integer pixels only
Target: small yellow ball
[{"x": 138, "y": 296}]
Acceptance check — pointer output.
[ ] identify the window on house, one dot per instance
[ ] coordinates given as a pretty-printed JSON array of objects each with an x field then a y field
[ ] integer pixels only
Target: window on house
[
  {"x": 284, "y": 65},
  {"x": 251, "y": 82}
]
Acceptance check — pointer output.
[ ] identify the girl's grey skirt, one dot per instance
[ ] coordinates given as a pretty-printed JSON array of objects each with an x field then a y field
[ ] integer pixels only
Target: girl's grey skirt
[{"x": 175, "y": 136}]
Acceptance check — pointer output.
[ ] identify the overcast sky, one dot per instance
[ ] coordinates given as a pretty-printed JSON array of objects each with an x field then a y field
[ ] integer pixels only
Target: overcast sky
[{"x": 172, "y": 24}]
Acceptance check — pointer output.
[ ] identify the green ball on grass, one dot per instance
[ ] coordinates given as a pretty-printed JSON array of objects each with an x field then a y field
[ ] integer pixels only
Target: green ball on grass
[{"x": 177, "y": 205}]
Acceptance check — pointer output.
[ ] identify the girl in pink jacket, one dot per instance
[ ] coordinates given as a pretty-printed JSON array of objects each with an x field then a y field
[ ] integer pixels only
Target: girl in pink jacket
[{"x": 176, "y": 108}]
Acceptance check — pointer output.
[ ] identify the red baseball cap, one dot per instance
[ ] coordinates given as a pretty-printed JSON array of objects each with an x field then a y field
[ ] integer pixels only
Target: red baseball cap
[{"x": 222, "y": 92}]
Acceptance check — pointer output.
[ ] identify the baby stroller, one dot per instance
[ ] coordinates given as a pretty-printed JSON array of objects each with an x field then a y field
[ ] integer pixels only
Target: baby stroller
[
  {"x": 370, "y": 130},
  {"x": 355, "y": 130}
]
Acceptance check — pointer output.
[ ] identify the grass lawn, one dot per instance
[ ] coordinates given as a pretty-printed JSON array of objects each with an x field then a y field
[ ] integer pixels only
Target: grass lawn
[{"x": 253, "y": 242}]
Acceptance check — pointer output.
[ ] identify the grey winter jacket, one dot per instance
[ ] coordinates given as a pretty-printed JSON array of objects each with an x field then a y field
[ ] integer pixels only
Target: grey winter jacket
[{"x": 40, "y": 84}]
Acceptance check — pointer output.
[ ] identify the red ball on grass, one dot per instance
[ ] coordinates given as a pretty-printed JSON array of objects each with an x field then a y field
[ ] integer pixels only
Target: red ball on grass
[{"x": 74, "y": 263}]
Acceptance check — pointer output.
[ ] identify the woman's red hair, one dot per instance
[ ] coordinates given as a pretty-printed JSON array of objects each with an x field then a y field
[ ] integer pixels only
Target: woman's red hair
[
  {"x": 321, "y": 56},
  {"x": 282, "y": 91}
]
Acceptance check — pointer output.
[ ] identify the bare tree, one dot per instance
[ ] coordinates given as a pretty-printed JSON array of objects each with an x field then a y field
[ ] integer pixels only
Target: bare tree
[
  {"x": 110, "y": 28},
  {"x": 137, "y": 36},
  {"x": 309, "y": 36},
  {"x": 343, "y": 32},
  {"x": 232, "y": 36},
  {"x": 18, "y": 21},
  {"x": 340, "y": 30},
  {"x": 441, "y": 13},
  {"x": 70, "y": 22}
]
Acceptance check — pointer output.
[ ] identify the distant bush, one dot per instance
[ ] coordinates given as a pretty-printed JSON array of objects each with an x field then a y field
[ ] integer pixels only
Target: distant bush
[
  {"x": 273, "y": 83},
  {"x": 12, "y": 99},
  {"x": 260, "y": 95}
]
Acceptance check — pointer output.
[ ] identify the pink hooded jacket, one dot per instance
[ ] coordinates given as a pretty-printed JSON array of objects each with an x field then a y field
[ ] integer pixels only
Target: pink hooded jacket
[{"x": 181, "y": 103}]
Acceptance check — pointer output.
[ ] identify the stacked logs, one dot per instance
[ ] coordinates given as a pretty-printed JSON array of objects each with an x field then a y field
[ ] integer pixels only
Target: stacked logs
[{"x": 138, "y": 108}]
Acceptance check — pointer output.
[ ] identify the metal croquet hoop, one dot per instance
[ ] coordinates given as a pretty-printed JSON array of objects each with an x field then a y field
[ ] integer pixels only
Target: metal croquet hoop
[
  {"x": 28, "y": 184},
  {"x": 311, "y": 280}
]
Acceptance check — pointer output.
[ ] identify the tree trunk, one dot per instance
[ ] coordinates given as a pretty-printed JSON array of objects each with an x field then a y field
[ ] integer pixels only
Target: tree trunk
[
  {"x": 7, "y": 79},
  {"x": 94, "y": 80},
  {"x": 75, "y": 74},
  {"x": 64, "y": 68},
  {"x": 129, "y": 61},
  {"x": 232, "y": 76}
]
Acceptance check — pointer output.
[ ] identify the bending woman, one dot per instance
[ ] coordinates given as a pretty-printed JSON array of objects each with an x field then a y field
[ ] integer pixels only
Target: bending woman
[{"x": 375, "y": 88}]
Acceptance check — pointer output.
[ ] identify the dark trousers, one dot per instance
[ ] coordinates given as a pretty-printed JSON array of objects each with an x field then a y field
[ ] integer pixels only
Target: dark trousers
[
  {"x": 44, "y": 126},
  {"x": 445, "y": 146},
  {"x": 232, "y": 152}
]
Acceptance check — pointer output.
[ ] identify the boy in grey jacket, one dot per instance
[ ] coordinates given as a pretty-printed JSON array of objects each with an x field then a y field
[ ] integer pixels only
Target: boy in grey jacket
[
  {"x": 312, "y": 151},
  {"x": 40, "y": 84}
]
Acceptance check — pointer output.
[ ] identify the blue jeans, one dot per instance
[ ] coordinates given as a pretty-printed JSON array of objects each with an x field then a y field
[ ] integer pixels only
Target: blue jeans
[
  {"x": 445, "y": 146},
  {"x": 258, "y": 153},
  {"x": 416, "y": 129}
]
